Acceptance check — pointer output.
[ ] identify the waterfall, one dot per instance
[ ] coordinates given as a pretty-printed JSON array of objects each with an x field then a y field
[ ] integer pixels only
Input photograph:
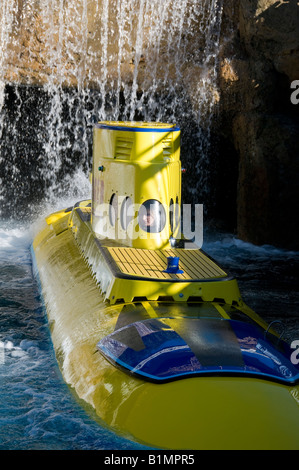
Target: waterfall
[{"x": 65, "y": 64}]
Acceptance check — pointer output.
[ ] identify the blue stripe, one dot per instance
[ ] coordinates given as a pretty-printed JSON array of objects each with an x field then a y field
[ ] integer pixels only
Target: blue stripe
[{"x": 137, "y": 129}]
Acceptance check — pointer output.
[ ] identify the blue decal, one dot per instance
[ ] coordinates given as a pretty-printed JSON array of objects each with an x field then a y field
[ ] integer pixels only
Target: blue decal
[{"x": 168, "y": 348}]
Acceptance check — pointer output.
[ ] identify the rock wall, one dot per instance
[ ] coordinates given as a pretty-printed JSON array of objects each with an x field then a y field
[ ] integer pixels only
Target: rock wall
[
  {"x": 259, "y": 61},
  {"x": 256, "y": 134}
]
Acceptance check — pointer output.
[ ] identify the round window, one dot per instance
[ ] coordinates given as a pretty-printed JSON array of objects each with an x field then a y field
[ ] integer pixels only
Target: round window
[
  {"x": 125, "y": 216},
  {"x": 113, "y": 209},
  {"x": 151, "y": 216},
  {"x": 171, "y": 214},
  {"x": 177, "y": 215}
]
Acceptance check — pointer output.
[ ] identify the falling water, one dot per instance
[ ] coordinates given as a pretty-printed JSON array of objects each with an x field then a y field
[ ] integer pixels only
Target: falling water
[{"x": 66, "y": 64}]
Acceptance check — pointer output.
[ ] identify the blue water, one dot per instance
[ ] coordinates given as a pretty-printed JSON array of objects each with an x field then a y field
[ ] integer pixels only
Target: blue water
[{"x": 37, "y": 409}]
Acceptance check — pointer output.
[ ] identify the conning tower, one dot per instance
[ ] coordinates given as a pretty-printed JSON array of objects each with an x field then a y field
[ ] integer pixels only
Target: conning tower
[{"x": 136, "y": 183}]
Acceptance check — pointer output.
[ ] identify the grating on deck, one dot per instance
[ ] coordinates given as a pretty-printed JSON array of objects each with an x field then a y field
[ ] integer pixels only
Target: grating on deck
[{"x": 151, "y": 263}]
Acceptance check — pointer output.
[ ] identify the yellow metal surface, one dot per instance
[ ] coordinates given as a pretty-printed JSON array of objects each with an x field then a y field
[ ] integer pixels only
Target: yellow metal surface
[
  {"x": 198, "y": 413},
  {"x": 137, "y": 141},
  {"x": 89, "y": 280},
  {"x": 124, "y": 282},
  {"x": 152, "y": 263},
  {"x": 133, "y": 163}
]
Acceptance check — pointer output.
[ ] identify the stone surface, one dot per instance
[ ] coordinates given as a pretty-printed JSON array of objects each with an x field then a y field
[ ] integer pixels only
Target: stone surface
[
  {"x": 259, "y": 61},
  {"x": 258, "y": 126}
]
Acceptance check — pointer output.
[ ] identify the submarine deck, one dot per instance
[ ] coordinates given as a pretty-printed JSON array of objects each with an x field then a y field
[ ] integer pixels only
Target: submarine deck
[
  {"x": 125, "y": 274},
  {"x": 151, "y": 264}
]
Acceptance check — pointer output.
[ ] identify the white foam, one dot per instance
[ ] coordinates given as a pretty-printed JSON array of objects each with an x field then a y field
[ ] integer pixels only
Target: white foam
[
  {"x": 8, "y": 349},
  {"x": 14, "y": 238}
]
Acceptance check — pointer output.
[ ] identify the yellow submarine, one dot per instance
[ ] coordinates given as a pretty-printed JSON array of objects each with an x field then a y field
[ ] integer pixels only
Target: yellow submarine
[{"x": 147, "y": 329}]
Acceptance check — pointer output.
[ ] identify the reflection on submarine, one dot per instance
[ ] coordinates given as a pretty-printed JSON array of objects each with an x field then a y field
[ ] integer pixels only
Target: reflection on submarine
[{"x": 166, "y": 354}]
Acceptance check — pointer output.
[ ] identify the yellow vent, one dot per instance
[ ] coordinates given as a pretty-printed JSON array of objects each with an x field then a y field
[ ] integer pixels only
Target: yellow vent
[
  {"x": 123, "y": 149},
  {"x": 167, "y": 147}
]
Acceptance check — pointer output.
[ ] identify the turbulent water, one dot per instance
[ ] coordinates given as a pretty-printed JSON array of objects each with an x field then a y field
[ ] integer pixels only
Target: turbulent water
[{"x": 37, "y": 409}]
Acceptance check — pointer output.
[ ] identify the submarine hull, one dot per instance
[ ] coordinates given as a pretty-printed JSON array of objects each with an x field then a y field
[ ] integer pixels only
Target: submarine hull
[{"x": 196, "y": 412}]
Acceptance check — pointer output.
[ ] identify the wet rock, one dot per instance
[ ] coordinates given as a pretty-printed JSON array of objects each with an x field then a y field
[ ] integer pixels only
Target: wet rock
[
  {"x": 267, "y": 201},
  {"x": 259, "y": 61},
  {"x": 258, "y": 126}
]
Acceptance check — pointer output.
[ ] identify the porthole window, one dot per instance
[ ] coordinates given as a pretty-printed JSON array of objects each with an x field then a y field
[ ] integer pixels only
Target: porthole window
[
  {"x": 177, "y": 214},
  {"x": 113, "y": 209},
  {"x": 171, "y": 214},
  {"x": 125, "y": 215},
  {"x": 151, "y": 216}
]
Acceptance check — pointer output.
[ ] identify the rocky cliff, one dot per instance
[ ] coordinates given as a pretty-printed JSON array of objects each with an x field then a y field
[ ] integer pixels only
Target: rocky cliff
[{"x": 259, "y": 62}]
